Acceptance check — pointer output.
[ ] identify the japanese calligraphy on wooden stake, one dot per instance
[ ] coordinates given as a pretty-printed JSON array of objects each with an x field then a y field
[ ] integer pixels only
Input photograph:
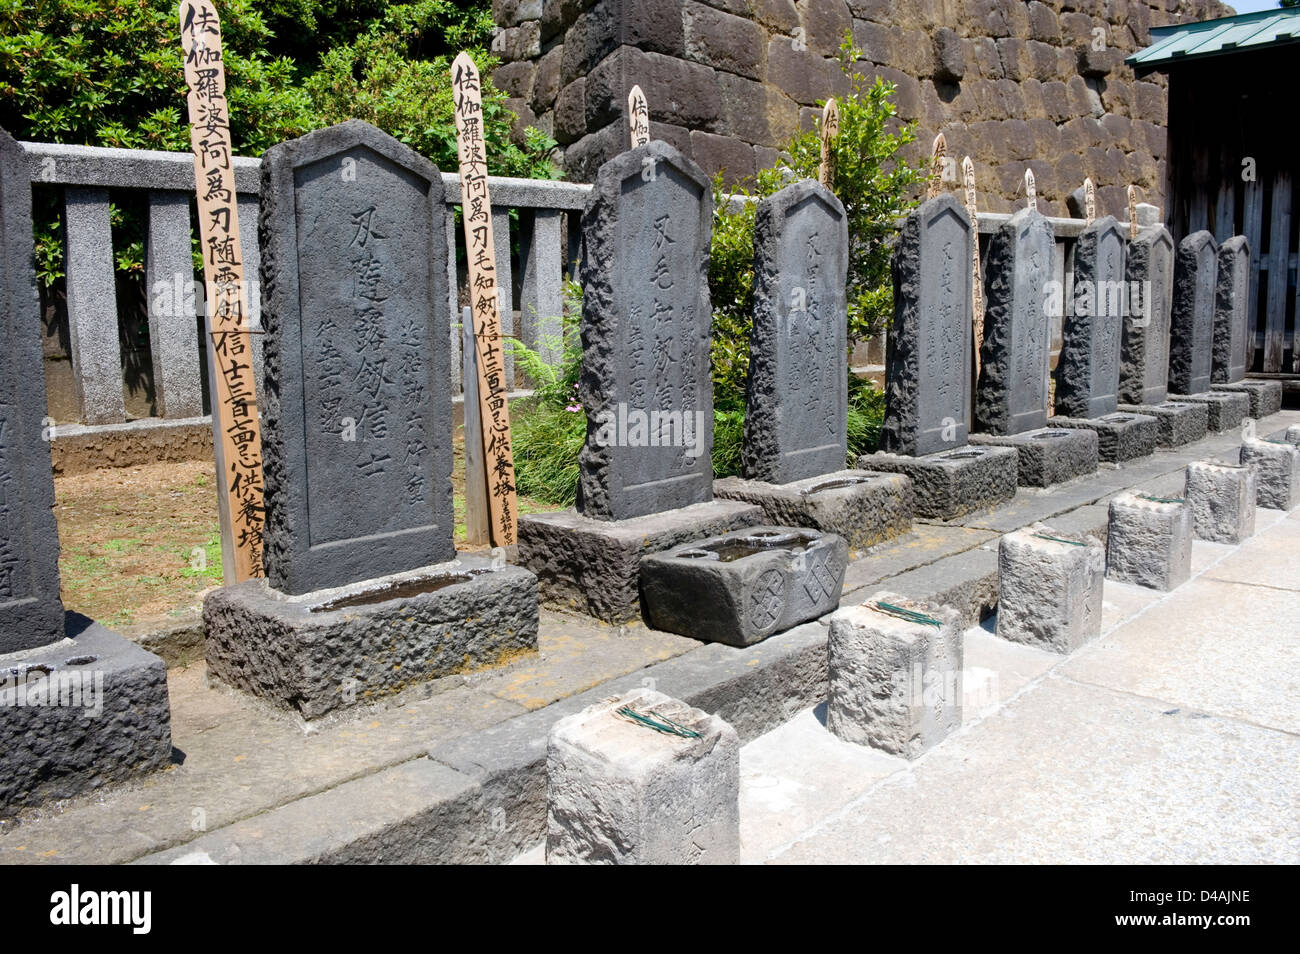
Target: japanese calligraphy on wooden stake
[
  {"x": 638, "y": 117},
  {"x": 1089, "y": 202},
  {"x": 1031, "y": 190},
  {"x": 237, "y": 438},
  {"x": 977, "y": 286},
  {"x": 830, "y": 129},
  {"x": 1132, "y": 213},
  {"x": 476, "y": 204},
  {"x": 938, "y": 152}
]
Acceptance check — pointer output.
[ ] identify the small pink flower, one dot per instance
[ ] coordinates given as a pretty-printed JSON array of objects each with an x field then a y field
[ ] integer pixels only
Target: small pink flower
[{"x": 574, "y": 407}]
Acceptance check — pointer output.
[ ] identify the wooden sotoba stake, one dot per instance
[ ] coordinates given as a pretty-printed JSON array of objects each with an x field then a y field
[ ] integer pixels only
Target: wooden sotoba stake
[
  {"x": 1132, "y": 213},
  {"x": 236, "y": 433},
  {"x": 977, "y": 287},
  {"x": 638, "y": 117},
  {"x": 938, "y": 152},
  {"x": 830, "y": 129},
  {"x": 1031, "y": 190},
  {"x": 476, "y": 207},
  {"x": 1089, "y": 202}
]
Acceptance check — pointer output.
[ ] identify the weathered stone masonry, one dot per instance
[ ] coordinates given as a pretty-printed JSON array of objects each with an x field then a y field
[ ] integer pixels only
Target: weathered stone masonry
[{"x": 1007, "y": 81}]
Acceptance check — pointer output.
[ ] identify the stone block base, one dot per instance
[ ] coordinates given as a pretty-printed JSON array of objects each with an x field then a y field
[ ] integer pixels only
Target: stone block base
[
  {"x": 1048, "y": 455},
  {"x": 1149, "y": 542},
  {"x": 1277, "y": 472},
  {"x": 1120, "y": 436},
  {"x": 593, "y": 566},
  {"x": 1225, "y": 409},
  {"x": 620, "y": 791},
  {"x": 1222, "y": 499},
  {"x": 1179, "y": 423},
  {"x": 741, "y": 587},
  {"x": 1293, "y": 435},
  {"x": 1049, "y": 588},
  {"x": 864, "y": 508},
  {"x": 1265, "y": 396},
  {"x": 954, "y": 483},
  {"x": 895, "y": 683},
  {"x": 78, "y": 714},
  {"x": 355, "y": 644}
]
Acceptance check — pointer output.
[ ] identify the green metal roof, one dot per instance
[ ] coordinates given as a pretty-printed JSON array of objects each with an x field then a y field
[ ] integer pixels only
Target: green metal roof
[{"x": 1179, "y": 43}]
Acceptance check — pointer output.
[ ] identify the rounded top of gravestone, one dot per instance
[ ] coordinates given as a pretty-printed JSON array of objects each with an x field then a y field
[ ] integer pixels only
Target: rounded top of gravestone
[
  {"x": 323, "y": 143},
  {"x": 1028, "y": 217},
  {"x": 796, "y": 192},
  {"x": 1197, "y": 241},
  {"x": 1074, "y": 203},
  {"x": 931, "y": 209},
  {"x": 1105, "y": 223},
  {"x": 1153, "y": 235},
  {"x": 643, "y": 162},
  {"x": 1237, "y": 245}
]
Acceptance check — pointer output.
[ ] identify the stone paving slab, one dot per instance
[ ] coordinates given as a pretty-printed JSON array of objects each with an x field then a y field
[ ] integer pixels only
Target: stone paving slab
[{"x": 925, "y": 544}]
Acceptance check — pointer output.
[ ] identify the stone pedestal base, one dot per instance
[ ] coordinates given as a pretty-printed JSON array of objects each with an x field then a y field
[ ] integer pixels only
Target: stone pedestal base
[
  {"x": 1265, "y": 396},
  {"x": 593, "y": 566},
  {"x": 1222, "y": 499},
  {"x": 1120, "y": 436},
  {"x": 620, "y": 791},
  {"x": 355, "y": 644},
  {"x": 741, "y": 587},
  {"x": 1149, "y": 542},
  {"x": 1293, "y": 435},
  {"x": 864, "y": 508},
  {"x": 78, "y": 714},
  {"x": 956, "y": 482},
  {"x": 1277, "y": 472},
  {"x": 1225, "y": 409},
  {"x": 1048, "y": 455},
  {"x": 1180, "y": 423},
  {"x": 894, "y": 684},
  {"x": 1049, "y": 588}
]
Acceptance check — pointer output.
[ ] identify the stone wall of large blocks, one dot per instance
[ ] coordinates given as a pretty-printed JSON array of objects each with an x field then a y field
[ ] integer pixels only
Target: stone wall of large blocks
[{"x": 1007, "y": 81}]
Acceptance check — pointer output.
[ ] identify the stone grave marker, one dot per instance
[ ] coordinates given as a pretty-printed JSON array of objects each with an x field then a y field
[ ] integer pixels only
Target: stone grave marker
[
  {"x": 646, "y": 328},
  {"x": 1191, "y": 333},
  {"x": 358, "y": 416},
  {"x": 360, "y": 598},
  {"x": 1233, "y": 330}
]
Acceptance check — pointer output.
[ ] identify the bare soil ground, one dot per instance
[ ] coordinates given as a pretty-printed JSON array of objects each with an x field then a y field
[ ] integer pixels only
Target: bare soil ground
[{"x": 140, "y": 545}]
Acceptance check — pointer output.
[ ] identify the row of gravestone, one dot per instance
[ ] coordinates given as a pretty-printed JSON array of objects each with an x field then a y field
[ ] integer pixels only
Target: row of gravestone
[{"x": 364, "y": 592}]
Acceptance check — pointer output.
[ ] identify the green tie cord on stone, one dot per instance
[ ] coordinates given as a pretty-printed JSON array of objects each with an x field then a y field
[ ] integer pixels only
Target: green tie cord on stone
[
  {"x": 1073, "y": 543},
  {"x": 662, "y": 724},
  {"x": 1161, "y": 499},
  {"x": 902, "y": 612}
]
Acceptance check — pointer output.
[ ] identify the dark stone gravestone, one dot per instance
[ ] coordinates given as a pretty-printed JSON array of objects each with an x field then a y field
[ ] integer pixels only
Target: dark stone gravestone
[
  {"x": 645, "y": 473},
  {"x": 1087, "y": 372},
  {"x": 357, "y": 434},
  {"x": 1144, "y": 350},
  {"x": 1191, "y": 333},
  {"x": 1011, "y": 404},
  {"x": 79, "y": 705},
  {"x": 927, "y": 375},
  {"x": 793, "y": 458},
  {"x": 1233, "y": 329}
]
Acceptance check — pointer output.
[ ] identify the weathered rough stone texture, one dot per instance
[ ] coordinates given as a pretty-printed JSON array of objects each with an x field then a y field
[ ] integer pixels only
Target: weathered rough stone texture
[
  {"x": 1231, "y": 311},
  {"x": 1277, "y": 472},
  {"x": 864, "y": 508},
  {"x": 1225, "y": 410},
  {"x": 1049, "y": 455},
  {"x": 895, "y": 684},
  {"x": 356, "y": 427},
  {"x": 1191, "y": 323},
  {"x": 624, "y": 793},
  {"x": 31, "y": 613},
  {"x": 740, "y": 588},
  {"x": 646, "y": 327},
  {"x": 927, "y": 388},
  {"x": 1222, "y": 499},
  {"x": 593, "y": 566},
  {"x": 1293, "y": 434},
  {"x": 1120, "y": 436},
  {"x": 1265, "y": 396},
  {"x": 1087, "y": 372},
  {"x": 117, "y": 726},
  {"x": 1149, "y": 542},
  {"x": 982, "y": 72},
  {"x": 797, "y": 395},
  {"x": 1049, "y": 591},
  {"x": 953, "y": 483},
  {"x": 1011, "y": 396},
  {"x": 324, "y": 653},
  {"x": 1179, "y": 422},
  {"x": 1144, "y": 365}
]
